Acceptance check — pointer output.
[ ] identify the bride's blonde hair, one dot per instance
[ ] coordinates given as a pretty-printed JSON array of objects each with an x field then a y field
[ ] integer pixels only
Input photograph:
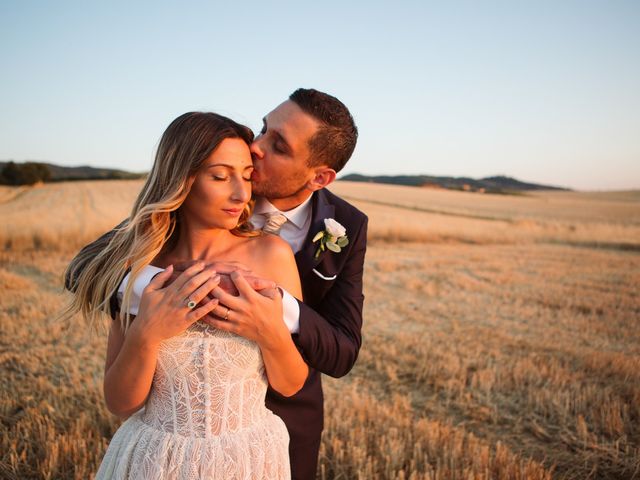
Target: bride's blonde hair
[{"x": 96, "y": 272}]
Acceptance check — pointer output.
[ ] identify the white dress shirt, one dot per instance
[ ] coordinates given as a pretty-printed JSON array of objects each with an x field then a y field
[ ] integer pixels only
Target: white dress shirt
[{"x": 295, "y": 229}]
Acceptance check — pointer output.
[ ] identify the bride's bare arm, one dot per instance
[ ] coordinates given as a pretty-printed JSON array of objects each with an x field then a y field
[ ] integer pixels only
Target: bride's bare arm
[
  {"x": 131, "y": 357},
  {"x": 129, "y": 368}
]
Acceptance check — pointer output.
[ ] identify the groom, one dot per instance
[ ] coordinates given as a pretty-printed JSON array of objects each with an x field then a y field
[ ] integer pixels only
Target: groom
[{"x": 303, "y": 143}]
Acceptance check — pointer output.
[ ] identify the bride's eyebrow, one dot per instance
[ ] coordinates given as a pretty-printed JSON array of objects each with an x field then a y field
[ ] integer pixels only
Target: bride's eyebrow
[{"x": 231, "y": 167}]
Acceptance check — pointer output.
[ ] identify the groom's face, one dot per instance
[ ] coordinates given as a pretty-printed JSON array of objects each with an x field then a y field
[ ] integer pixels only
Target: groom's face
[{"x": 281, "y": 152}]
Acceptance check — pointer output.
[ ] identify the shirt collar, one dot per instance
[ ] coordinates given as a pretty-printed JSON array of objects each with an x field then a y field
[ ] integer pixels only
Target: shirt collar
[{"x": 297, "y": 215}]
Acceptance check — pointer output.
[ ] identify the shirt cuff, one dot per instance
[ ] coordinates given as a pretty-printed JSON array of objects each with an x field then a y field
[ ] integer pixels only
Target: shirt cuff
[
  {"x": 144, "y": 278},
  {"x": 290, "y": 311}
]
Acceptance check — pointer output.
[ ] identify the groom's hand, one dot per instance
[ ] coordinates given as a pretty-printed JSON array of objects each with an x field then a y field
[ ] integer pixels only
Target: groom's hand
[{"x": 224, "y": 269}]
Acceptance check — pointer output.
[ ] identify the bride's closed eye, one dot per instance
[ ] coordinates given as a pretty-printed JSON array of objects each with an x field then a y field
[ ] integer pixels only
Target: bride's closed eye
[{"x": 224, "y": 178}]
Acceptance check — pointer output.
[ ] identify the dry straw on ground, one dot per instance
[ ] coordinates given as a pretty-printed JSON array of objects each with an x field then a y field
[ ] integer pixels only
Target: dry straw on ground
[{"x": 501, "y": 337}]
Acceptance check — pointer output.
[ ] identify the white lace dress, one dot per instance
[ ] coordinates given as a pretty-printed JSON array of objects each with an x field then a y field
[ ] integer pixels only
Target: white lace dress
[{"x": 205, "y": 417}]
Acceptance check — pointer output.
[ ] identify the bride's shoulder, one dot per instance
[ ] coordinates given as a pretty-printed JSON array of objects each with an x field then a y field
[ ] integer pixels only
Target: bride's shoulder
[
  {"x": 273, "y": 258},
  {"x": 271, "y": 246}
]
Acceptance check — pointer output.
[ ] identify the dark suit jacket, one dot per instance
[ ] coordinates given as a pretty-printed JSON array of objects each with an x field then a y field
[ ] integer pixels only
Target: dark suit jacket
[{"x": 330, "y": 325}]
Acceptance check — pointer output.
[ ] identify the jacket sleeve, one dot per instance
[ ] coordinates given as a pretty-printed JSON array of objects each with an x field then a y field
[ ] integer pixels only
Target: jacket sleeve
[{"x": 330, "y": 336}]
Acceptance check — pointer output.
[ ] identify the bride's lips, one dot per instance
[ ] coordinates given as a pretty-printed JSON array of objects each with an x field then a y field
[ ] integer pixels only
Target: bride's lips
[{"x": 233, "y": 211}]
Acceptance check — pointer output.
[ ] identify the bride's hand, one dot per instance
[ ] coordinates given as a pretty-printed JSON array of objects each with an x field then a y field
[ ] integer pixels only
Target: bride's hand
[
  {"x": 225, "y": 269},
  {"x": 163, "y": 310},
  {"x": 253, "y": 315}
]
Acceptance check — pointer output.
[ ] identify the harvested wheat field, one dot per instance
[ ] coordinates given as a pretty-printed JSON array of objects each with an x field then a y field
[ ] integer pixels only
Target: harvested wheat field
[{"x": 501, "y": 337}]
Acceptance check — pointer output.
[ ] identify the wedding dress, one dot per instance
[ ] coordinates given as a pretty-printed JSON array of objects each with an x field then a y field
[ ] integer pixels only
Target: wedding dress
[{"x": 205, "y": 416}]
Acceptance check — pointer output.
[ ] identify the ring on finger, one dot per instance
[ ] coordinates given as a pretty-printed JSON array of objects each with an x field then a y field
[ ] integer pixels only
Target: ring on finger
[
  {"x": 190, "y": 303},
  {"x": 226, "y": 315}
]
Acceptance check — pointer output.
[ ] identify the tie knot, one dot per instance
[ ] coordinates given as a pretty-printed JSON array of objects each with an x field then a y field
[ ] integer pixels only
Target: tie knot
[{"x": 274, "y": 222}]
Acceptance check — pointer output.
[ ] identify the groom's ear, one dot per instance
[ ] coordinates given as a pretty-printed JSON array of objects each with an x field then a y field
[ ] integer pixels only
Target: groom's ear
[{"x": 322, "y": 177}]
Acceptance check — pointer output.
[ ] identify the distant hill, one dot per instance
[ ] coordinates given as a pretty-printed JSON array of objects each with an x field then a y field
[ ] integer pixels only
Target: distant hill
[
  {"x": 498, "y": 184},
  {"x": 85, "y": 172}
]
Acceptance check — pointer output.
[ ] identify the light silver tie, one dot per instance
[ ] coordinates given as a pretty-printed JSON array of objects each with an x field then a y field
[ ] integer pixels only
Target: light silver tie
[{"x": 275, "y": 221}]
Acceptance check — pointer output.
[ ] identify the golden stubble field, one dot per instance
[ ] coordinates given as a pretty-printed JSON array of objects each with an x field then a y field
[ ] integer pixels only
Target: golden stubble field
[{"x": 501, "y": 337}]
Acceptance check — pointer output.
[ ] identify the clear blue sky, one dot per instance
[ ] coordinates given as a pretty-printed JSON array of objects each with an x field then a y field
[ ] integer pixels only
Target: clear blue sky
[{"x": 545, "y": 91}]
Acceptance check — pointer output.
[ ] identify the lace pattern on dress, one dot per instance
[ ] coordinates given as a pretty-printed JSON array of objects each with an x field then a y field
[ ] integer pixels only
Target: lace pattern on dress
[{"x": 205, "y": 417}]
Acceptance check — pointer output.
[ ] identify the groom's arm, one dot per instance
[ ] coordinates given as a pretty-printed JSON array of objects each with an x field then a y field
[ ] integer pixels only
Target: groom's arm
[{"x": 330, "y": 335}]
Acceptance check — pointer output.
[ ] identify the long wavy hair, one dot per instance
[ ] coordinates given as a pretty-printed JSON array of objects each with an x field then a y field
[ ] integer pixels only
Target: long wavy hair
[{"x": 153, "y": 224}]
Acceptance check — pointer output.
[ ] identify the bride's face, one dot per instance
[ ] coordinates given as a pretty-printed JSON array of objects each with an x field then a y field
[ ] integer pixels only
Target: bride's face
[{"x": 221, "y": 188}]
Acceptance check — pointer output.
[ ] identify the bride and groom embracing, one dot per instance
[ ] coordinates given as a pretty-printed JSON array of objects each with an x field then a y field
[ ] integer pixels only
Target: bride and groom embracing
[{"x": 237, "y": 278}]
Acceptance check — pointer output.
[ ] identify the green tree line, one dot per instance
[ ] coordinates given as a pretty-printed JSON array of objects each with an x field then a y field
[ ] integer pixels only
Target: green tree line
[{"x": 24, "y": 174}]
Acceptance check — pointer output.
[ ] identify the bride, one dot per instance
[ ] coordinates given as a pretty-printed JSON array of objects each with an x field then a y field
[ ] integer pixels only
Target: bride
[{"x": 193, "y": 395}]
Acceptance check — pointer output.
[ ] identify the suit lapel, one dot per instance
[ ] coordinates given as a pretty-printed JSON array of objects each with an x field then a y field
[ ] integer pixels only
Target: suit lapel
[{"x": 321, "y": 209}]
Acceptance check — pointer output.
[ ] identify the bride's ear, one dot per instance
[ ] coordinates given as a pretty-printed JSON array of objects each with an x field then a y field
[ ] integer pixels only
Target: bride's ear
[
  {"x": 190, "y": 181},
  {"x": 323, "y": 176}
]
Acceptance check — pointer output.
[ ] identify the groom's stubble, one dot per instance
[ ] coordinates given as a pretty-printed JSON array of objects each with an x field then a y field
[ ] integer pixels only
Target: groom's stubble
[{"x": 278, "y": 188}]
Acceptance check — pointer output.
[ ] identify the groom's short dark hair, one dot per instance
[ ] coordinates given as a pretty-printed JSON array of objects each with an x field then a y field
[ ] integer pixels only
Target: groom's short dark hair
[{"x": 335, "y": 140}]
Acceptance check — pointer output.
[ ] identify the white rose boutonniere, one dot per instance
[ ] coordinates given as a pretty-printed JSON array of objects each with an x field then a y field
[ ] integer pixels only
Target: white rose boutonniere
[{"x": 333, "y": 237}]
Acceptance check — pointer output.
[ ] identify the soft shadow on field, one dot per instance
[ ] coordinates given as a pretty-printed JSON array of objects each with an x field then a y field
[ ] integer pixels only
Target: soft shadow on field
[{"x": 493, "y": 348}]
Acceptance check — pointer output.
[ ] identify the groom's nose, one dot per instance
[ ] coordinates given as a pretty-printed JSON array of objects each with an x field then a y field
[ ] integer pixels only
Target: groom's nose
[{"x": 256, "y": 147}]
